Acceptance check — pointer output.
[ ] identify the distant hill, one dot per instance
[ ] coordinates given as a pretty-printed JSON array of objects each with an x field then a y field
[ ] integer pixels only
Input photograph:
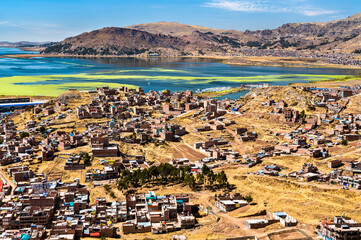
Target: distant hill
[
  {"x": 341, "y": 35},
  {"x": 124, "y": 41},
  {"x": 171, "y": 38},
  {"x": 225, "y": 39},
  {"x": 25, "y": 44},
  {"x": 177, "y": 29}
]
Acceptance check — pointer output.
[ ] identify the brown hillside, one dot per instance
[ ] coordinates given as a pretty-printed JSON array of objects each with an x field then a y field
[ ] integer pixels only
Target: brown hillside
[
  {"x": 122, "y": 41},
  {"x": 340, "y": 34},
  {"x": 172, "y": 38},
  {"x": 177, "y": 29}
]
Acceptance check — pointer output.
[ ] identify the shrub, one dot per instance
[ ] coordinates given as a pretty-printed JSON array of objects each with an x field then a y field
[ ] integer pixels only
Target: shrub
[
  {"x": 248, "y": 198},
  {"x": 24, "y": 134}
]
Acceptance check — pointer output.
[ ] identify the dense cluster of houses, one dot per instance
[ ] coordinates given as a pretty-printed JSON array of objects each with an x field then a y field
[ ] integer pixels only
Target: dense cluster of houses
[
  {"x": 130, "y": 111},
  {"x": 335, "y": 127},
  {"x": 135, "y": 108},
  {"x": 124, "y": 103},
  {"x": 37, "y": 201},
  {"x": 309, "y": 172},
  {"x": 40, "y": 207},
  {"x": 337, "y": 58},
  {"x": 157, "y": 214},
  {"x": 38, "y": 204},
  {"x": 287, "y": 114},
  {"x": 340, "y": 228},
  {"x": 112, "y": 168}
]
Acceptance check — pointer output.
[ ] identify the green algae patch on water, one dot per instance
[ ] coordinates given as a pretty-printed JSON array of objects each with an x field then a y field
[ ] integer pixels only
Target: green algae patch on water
[
  {"x": 51, "y": 85},
  {"x": 135, "y": 70},
  {"x": 290, "y": 78}
]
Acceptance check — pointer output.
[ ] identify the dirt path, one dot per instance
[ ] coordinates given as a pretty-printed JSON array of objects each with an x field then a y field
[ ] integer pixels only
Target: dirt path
[
  {"x": 181, "y": 150},
  {"x": 237, "y": 139},
  {"x": 6, "y": 178},
  {"x": 237, "y": 226},
  {"x": 344, "y": 154}
]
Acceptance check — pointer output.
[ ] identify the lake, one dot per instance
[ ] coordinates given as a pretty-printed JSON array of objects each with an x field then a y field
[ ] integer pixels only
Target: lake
[{"x": 51, "y": 76}]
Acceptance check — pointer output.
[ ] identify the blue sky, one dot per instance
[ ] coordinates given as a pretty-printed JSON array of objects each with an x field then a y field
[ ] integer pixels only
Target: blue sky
[{"x": 53, "y": 20}]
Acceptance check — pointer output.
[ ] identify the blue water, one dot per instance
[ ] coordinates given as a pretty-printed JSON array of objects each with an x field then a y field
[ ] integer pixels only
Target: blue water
[
  {"x": 235, "y": 95},
  {"x": 8, "y": 50},
  {"x": 153, "y": 74}
]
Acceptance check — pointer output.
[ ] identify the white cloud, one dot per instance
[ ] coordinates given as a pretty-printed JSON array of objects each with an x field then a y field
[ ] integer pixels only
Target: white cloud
[
  {"x": 241, "y": 6},
  {"x": 316, "y": 12},
  {"x": 3, "y": 22},
  {"x": 276, "y": 6}
]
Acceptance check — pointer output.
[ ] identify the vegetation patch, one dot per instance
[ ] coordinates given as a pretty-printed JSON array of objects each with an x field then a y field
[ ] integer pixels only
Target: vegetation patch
[{"x": 165, "y": 174}]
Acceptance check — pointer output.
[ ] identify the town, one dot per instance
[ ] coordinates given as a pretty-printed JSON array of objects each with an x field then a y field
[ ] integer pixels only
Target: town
[{"x": 119, "y": 163}]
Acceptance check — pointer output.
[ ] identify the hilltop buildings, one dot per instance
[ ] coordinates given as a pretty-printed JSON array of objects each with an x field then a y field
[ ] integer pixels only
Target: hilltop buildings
[
  {"x": 158, "y": 214},
  {"x": 41, "y": 206},
  {"x": 342, "y": 228}
]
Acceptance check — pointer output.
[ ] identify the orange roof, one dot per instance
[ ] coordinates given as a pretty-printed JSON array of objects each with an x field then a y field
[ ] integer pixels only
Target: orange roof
[{"x": 95, "y": 234}]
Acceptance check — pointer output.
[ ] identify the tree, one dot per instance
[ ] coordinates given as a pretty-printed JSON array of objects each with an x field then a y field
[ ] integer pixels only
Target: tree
[
  {"x": 87, "y": 159},
  {"x": 168, "y": 174},
  {"x": 248, "y": 198},
  {"x": 222, "y": 179},
  {"x": 42, "y": 129},
  {"x": 187, "y": 169},
  {"x": 182, "y": 174},
  {"x": 186, "y": 178},
  {"x": 200, "y": 178},
  {"x": 302, "y": 114},
  {"x": 24, "y": 134},
  {"x": 205, "y": 169},
  {"x": 211, "y": 177},
  {"x": 153, "y": 172},
  {"x": 192, "y": 182},
  {"x": 144, "y": 177}
]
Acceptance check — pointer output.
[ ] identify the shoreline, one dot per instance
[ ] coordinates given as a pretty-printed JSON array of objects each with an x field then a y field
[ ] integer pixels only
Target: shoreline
[{"x": 290, "y": 62}]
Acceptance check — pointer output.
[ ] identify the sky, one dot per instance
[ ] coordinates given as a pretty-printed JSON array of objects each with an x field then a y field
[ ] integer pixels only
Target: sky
[{"x": 54, "y": 20}]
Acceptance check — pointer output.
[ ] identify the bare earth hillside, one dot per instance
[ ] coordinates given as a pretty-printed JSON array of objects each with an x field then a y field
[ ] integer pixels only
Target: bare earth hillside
[{"x": 171, "y": 38}]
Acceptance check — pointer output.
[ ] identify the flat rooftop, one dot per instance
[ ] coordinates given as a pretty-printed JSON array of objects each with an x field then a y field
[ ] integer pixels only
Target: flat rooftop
[{"x": 21, "y": 104}]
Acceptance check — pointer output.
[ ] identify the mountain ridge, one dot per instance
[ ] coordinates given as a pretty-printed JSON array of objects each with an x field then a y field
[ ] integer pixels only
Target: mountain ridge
[
  {"x": 123, "y": 41},
  {"x": 176, "y": 39}
]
